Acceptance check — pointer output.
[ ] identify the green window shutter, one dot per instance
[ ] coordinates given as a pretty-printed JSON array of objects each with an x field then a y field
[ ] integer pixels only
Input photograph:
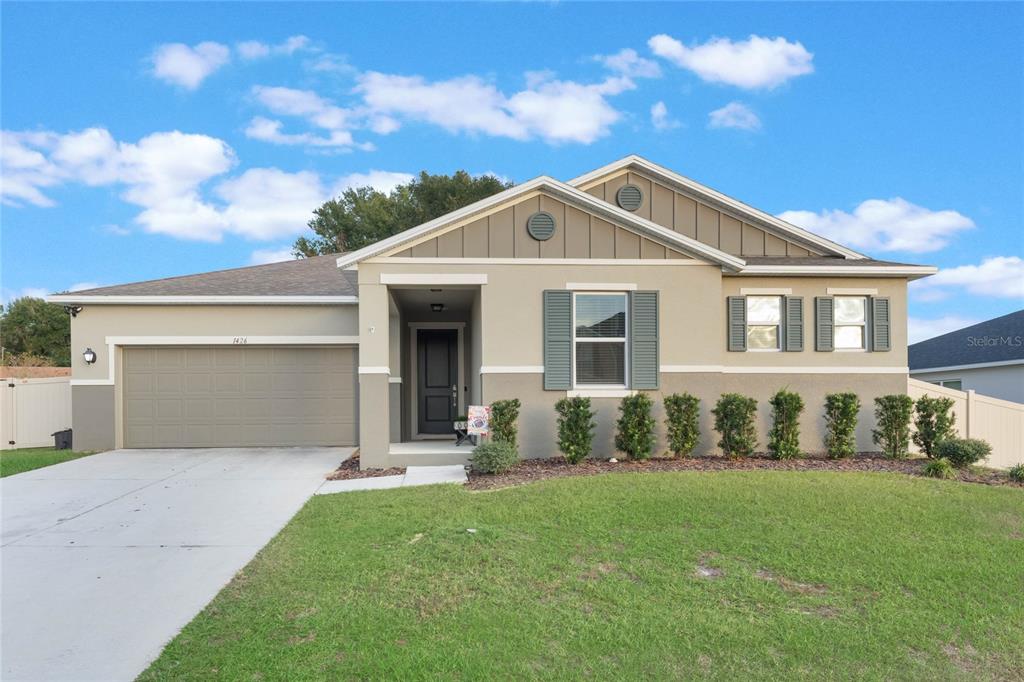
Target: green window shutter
[
  {"x": 643, "y": 339},
  {"x": 793, "y": 322},
  {"x": 736, "y": 320},
  {"x": 881, "y": 326},
  {"x": 824, "y": 311},
  {"x": 557, "y": 340}
]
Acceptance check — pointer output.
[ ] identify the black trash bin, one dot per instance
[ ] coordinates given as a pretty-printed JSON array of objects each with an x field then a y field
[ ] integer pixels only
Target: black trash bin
[{"x": 62, "y": 440}]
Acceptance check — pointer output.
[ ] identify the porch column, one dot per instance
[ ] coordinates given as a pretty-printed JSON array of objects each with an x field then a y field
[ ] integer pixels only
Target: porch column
[{"x": 374, "y": 371}]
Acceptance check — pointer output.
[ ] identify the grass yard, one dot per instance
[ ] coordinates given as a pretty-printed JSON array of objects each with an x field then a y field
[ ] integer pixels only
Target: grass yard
[
  {"x": 26, "y": 459},
  {"x": 727, "y": 575}
]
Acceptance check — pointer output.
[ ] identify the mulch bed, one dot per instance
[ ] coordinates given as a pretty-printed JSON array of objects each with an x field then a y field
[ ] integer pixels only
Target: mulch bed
[
  {"x": 531, "y": 470},
  {"x": 350, "y": 469}
]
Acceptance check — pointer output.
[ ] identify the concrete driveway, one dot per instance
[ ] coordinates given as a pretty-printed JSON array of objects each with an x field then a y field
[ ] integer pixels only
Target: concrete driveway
[{"x": 104, "y": 559}]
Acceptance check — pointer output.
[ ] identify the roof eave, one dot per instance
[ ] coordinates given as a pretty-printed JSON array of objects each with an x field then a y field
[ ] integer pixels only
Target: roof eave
[
  {"x": 125, "y": 299},
  {"x": 910, "y": 272}
]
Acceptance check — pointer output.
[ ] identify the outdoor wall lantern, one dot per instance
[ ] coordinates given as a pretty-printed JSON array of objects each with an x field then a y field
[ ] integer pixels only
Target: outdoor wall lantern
[{"x": 89, "y": 356}]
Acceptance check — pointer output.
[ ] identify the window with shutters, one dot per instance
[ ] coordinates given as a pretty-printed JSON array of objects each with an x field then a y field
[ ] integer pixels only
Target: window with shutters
[
  {"x": 764, "y": 321},
  {"x": 850, "y": 322},
  {"x": 600, "y": 330}
]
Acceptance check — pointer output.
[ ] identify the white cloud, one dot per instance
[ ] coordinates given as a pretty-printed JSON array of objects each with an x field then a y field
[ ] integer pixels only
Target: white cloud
[
  {"x": 660, "y": 118},
  {"x": 734, "y": 115},
  {"x": 885, "y": 225},
  {"x": 8, "y": 295},
  {"x": 264, "y": 256},
  {"x": 309, "y": 106},
  {"x": 553, "y": 110},
  {"x": 919, "y": 329},
  {"x": 186, "y": 66},
  {"x": 116, "y": 230},
  {"x": 82, "y": 286},
  {"x": 996, "y": 277},
  {"x": 751, "y": 64},
  {"x": 382, "y": 181},
  {"x": 330, "y": 63},
  {"x": 628, "y": 63},
  {"x": 254, "y": 49},
  {"x": 267, "y": 203}
]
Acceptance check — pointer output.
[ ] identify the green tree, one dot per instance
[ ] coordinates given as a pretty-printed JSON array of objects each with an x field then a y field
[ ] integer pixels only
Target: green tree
[
  {"x": 363, "y": 215},
  {"x": 33, "y": 327}
]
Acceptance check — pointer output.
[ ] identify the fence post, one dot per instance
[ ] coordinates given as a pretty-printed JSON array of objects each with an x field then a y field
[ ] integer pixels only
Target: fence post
[{"x": 969, "y": 426}]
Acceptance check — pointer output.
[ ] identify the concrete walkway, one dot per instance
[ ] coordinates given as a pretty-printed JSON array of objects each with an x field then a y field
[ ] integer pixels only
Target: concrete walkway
[
  {"x": 105, "y": 558},
  {"x": 455, "y": 473}
]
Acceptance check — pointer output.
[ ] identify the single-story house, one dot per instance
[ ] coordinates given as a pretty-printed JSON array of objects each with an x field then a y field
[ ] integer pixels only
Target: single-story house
[
  {"x": 628, "y": 278},
  {"x": 987, "y": 358}
]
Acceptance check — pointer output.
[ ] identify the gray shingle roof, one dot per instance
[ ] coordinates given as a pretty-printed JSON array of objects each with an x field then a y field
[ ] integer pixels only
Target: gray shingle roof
[
  {"x": 996, "y": 340},
  {"x": 316, "y": 276},
  {"x": 820, "y": 260}
]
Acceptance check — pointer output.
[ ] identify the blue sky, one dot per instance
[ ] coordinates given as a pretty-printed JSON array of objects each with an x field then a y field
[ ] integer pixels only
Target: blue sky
[{"x": 145, "y": 140}]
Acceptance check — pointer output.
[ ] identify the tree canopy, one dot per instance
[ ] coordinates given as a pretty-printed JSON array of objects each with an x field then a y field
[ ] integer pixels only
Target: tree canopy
[
  {"x": 32, "y": 329},
  {"x": 363, "y": 215}
]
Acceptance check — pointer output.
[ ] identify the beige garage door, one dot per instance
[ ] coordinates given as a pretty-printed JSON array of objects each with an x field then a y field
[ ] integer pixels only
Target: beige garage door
[{"x": 227, "y": 396}]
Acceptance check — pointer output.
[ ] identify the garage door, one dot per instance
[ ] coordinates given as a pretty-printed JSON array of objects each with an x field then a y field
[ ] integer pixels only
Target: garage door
[{"x": 226, "y": 396}]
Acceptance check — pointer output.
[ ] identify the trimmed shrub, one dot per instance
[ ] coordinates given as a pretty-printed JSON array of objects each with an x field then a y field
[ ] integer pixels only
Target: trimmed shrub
[
  {"x": 939, "y": 468},
  {"x": 892, "y": 415},
  {"x": 734, "y": 421},
  {"x": 495, "y": 457},
  {"x": 841, "y": 424},
  {"x": 682, "y": 418},
  {"x": 504, "y": 418},
  {"x": 962, "y": 452},
  {"x": 1016, "y": 472},
  {"x": 634, "y": 432},
  {"x": 575, "y": 428},
  {"x": 784, "y": 436},
  {"x": 934, "y": 422}
]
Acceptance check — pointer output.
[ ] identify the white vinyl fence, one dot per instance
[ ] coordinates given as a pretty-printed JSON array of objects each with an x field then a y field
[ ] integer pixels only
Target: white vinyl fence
[
  {"x": 1000, "y": 422},
  {"x": 32, "y": 409}
]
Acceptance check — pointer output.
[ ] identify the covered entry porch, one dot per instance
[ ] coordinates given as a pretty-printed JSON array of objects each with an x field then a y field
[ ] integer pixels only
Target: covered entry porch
[{"x": 432, "y": 368}]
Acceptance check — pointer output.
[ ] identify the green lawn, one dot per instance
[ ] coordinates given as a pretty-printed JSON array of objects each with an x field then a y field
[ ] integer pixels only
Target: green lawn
[
  {"x": 823, "y": 576},
  {"x": 26, "y": 459}
]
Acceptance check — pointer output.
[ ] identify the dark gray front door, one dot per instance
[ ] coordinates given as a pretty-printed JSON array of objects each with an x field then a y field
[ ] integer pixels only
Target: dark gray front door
[{"x": 437, "y": 384}]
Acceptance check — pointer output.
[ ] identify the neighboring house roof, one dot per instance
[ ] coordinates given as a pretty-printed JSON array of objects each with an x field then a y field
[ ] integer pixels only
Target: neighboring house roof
[
  {"x": 996, "y": 341},
  {"x": 314, "y": 280},
  {"x": 718, "y": 200},
  {"x": 564, "y": 192}
]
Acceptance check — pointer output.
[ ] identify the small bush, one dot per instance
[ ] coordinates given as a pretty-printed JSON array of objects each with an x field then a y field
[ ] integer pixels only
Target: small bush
[
  {"x": 784, "y": 437},
  {"x": 682, "y": 418},
  {"x": 892, "y": 414},
  {"x": 495, "y": 457},
  {"x": 841, "y": 424},
  {"x": 734, "y": 421},
  {"x": 934, "y": 422},
  {"x": 634, "y": 432},
  {"x": 939, "y": 468},
  {"x": 1016, "y": 472},
  {"x": 575, "y": 428},
  {"x": 504, "y": 418},
  {"x": 962, "y": 452}
]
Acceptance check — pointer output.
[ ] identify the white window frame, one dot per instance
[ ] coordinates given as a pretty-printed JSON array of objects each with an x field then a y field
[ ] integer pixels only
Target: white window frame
[
  {"x": 943, "y": 382},
  {"x": 624, "y": 340},
  {"x": 863, "y": 326},
  {"x": 778, "y": 325}
]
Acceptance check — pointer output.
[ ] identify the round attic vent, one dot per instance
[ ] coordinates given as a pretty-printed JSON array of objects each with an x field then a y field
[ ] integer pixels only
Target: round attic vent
[
  {"x": 629, "y": 197},
  {"x": 541, "y": 225}
]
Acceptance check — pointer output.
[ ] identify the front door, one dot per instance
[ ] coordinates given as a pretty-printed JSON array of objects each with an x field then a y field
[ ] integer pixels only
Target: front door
[{"x": 437, "y": 384}]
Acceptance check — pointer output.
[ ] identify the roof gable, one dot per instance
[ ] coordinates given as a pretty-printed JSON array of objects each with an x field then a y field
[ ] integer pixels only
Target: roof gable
[
  {"x": 738, "y": 219},
  {"x": 552, "y": 189}
]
